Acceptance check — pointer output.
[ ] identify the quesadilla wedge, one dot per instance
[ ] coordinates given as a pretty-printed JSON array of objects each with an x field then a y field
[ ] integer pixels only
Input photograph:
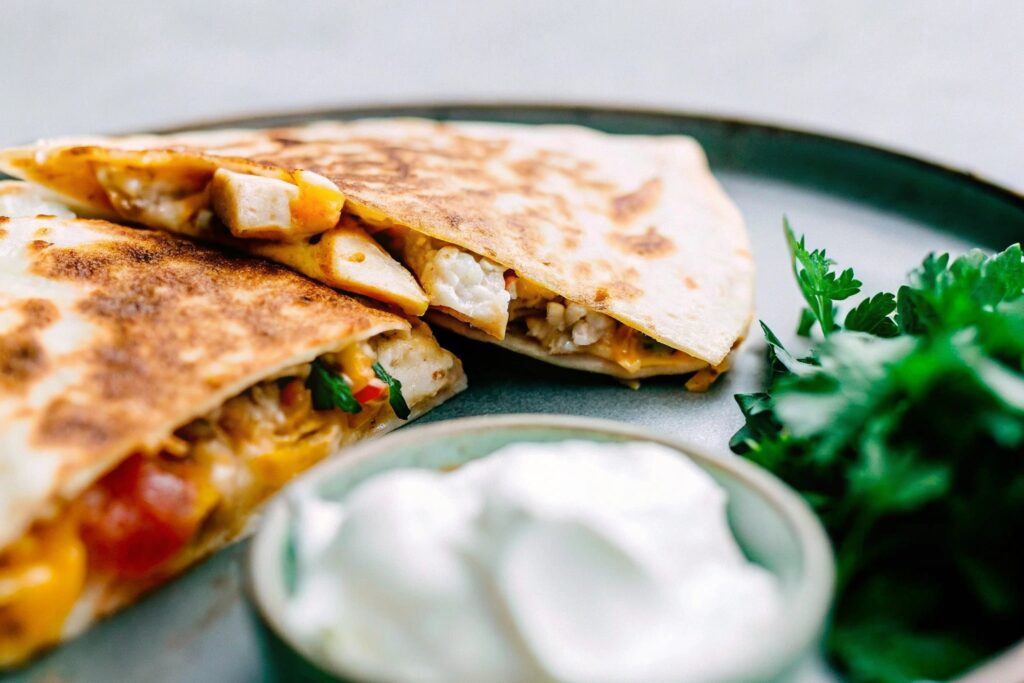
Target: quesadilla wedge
[
  {"x": 614, "y": 254},
  {"x": 288, "y": 216},
  {"x": 153, "y": 393}
]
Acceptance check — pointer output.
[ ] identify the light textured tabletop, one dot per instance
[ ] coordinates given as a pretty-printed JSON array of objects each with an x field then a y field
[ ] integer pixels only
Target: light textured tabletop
[{"x": 941, "y": 78}]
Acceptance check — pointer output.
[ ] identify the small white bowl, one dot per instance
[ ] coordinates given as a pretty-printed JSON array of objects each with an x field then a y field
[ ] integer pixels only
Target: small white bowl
[{"x": 772, "y": 524}]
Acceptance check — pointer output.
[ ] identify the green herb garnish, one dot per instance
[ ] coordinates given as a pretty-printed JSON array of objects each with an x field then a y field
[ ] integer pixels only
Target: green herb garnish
[
  {"x": 395, "y": 397},
  {"x": 819, "y": 283},
  {"x": 330, "y": 390},
  {"x": 904, "y": 429}
]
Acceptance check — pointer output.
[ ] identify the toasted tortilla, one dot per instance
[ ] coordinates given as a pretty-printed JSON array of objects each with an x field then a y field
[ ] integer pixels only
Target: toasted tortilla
[
  {"x": 634, "y": 227},
  {"x": 112, "y": 338},
  {"x": 276, "y": 213}
]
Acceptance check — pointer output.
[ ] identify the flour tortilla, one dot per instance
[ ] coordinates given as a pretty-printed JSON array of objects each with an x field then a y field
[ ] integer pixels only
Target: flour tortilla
[
  {"x": 635, "y": 227},
  {"x": 111, "y": 338},
  {"x": 172, "y": 190}
]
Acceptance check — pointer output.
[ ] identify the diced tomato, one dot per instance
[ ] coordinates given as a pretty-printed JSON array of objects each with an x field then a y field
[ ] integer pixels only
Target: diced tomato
[
  {"x": 375, "y": 389},
  {"x": 140, "y": 515}
]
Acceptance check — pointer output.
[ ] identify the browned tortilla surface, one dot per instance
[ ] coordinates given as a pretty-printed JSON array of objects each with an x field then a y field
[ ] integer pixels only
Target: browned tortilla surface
[
  {"x": 632, "y": 226},
  {"x": 112, "y": 337}
]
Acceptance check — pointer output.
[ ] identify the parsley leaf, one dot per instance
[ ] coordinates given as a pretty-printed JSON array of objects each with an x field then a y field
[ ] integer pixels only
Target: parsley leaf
[
  {"x": 330, "y": 390},
  {"x": 819, "y": 283},
  {"x": 395, "y": 397},
  {"x": 781, "y": 361},
  {"x": 904, "y": 430},
  {"x": 806, "y": 323},
  {"x": 872, "y": 315}
]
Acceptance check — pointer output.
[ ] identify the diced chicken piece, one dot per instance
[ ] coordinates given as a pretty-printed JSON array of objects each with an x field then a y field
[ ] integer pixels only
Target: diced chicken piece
[
  {"x": 591, "y": 328},
  {"x": 556, "y": 315},
  {"x": 471, "y": 288},
  {"x": 568, "y": 327},
  {"x": 347, "y": 258},
  {"x": 416, "y": 361},
  {"x": 252, "y": 206},
  {"x": 573, "y": 313}
]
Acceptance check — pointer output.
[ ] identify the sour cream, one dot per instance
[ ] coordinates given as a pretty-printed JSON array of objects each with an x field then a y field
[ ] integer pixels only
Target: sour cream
[{"x": 572, "y": 561}]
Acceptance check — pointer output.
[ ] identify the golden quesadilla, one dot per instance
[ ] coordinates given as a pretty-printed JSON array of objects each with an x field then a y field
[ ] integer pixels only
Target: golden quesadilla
[
  {"x": 615, "y": 254},
  {"x": 153, "y": 392},
  {"x": 291, "y": 217}
]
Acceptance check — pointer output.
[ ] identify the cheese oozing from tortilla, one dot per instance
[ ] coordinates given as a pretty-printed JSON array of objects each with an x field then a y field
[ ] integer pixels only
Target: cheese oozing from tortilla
[
  {"x": 53, "y": 580},
  {"x": 182, "y": 194}
]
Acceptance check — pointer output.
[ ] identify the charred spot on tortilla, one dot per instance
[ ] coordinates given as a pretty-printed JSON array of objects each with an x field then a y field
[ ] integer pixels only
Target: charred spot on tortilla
[
  {"x": 66, "y": 423},
  {"x": 627, "y": 207},
  {"x": 22, "y": 355},
  {"x": 22, "y": 358},
  {"x": 624, "y": 290},
  {"x": 650, "y": 244}
]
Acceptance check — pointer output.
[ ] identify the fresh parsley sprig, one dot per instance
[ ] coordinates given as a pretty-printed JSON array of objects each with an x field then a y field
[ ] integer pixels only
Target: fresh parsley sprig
[
  {"x": 820, "y": 285},
  {"x": 904, "y": 429}
]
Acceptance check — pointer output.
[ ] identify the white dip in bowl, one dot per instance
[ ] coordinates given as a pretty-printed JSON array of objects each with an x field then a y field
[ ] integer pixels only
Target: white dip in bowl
[{"x": 562, "y": 561}]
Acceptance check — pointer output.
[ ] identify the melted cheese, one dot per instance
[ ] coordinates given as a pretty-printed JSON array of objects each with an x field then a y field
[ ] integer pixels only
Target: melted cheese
[
  {"x": 236, "y": 456},
  {"x": 182, "y": 195},
  {"x": 41, "y": 576},
  {"x": 162, "y": 197}
]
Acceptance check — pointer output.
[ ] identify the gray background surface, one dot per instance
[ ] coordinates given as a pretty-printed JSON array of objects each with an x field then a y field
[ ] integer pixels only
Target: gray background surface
[{"x": 942, "y": 79}]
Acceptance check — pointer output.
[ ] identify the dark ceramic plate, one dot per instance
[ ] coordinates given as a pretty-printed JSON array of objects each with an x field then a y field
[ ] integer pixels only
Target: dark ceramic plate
[{"x": 874, "y": 209}]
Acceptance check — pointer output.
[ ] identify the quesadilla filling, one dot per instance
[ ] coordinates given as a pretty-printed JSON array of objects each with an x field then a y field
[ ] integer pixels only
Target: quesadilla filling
[
  {"x": 160, "y": 509},
  {"x": 184, "y": 192},
  {"x": 499, "y": 302},
  {"x": 291, "y": 217}
]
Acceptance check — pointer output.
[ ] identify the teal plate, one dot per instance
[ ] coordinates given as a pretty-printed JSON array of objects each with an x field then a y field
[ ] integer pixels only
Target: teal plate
[{"x": 874, "y": 209}]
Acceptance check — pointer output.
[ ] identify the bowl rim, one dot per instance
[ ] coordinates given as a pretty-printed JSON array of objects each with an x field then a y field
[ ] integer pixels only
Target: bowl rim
[{"x": 809, "y": 603}]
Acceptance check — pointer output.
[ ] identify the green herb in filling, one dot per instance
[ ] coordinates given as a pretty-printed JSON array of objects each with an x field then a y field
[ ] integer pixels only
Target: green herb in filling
[
  {"x": 330, "y": 390},
  {"x": 395, "y": 397}
]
